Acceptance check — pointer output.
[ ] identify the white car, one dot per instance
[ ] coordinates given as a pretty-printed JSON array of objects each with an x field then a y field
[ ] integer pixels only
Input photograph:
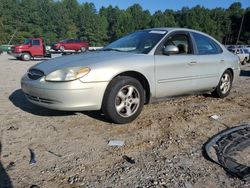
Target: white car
[{"x": 242, "y": 53}]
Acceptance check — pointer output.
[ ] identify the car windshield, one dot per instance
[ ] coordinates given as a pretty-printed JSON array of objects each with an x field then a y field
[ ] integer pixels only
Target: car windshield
[
  {"x": 137, "y": 42},
  {"x": 27, "y": 41},
  {"x": 65, "y": 40}
]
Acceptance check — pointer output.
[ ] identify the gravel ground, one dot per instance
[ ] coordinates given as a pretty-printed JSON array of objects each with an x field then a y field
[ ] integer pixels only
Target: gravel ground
[{"x": 163, "y": 146}]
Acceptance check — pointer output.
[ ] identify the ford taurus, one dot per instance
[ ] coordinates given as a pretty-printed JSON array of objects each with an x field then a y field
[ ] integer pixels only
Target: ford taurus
[{"x": 137, "y": 69}]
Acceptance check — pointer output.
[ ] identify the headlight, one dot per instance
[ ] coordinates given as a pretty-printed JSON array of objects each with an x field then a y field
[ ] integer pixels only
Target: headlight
[{"x": 67, "y": 74}]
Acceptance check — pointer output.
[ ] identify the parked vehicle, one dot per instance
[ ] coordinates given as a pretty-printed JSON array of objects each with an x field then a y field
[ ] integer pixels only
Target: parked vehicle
[
  {"x": 137, "y": 69},
  {"x": 32, "y": 47},
  {"x": 247, "y": 51},
  {"x": 5, "y": 48},
  {"x": 242, "y": 53},
  {"x": 71, "y": 44}
]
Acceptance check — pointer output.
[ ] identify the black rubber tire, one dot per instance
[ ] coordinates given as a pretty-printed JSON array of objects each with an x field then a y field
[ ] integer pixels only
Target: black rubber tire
[
  {"x": 217, "y": 92},
  {"x": 109, "y": 99},
  {"x": 26, "y": 56},
  {"x": 244, "y": 61}
]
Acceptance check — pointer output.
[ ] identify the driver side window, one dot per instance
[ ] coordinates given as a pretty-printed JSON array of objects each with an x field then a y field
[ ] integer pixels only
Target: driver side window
[{"x": 181, "y": 42}]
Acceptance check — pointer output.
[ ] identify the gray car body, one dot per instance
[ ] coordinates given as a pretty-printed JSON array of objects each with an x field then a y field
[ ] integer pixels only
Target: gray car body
[{"x": 166, "y": 76}]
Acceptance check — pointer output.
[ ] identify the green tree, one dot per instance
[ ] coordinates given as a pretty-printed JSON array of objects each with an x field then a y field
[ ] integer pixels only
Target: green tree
[{"x": 92, "y": 27}]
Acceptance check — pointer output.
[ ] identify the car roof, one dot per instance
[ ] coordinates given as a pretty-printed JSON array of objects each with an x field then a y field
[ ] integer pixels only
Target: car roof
[
  {"x": 174, "y": 29},
  {"x": 170, "y": 29}
]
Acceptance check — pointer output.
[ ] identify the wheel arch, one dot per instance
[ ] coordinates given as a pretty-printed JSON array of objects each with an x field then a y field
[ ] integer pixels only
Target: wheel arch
[
  {"x": 28, "y": 53},
  {"x": 142, "y": 79},
  {"x": 231, "y": 71}
]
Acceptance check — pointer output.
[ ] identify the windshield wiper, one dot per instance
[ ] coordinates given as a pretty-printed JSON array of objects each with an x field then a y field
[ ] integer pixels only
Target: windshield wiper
[{"x": 111, "y": 49}]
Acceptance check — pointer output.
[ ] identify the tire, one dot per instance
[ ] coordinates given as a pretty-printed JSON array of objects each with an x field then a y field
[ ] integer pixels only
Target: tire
[
  {"x": 244, "y": 61},
  {"x": 225, "y": 84},
  {"x": 25, "y": 56},
  {"x": 62, "y": 49},
  {"x": 123, "y": 100},
  {"x": 83, "y": 49}
]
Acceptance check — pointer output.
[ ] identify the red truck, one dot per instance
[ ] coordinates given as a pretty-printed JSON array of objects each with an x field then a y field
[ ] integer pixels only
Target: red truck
[{"x": 33, "y": 47}]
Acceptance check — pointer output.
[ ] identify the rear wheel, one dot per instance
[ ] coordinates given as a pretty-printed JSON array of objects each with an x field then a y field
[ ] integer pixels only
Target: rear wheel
[
  {"x": 123, "y": 100},
  {"x": 223, "y": 88},
  {"x": 25, "y": 56},
  {"x": 244, "y": 61}
]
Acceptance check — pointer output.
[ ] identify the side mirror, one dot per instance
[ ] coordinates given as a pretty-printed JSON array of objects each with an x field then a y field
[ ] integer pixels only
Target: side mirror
[
  {"x": 170, "y": 49},
  {"x": 30, "y": 44}
]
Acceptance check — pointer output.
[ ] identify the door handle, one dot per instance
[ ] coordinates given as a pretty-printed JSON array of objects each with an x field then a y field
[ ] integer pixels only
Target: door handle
[
  {"x": 192, "y": 63},
  {"x": 222, "y": 60}
]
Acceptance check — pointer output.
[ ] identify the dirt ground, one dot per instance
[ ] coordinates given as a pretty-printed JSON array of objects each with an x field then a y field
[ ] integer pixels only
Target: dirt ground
[{"x": 71, "y": 148}]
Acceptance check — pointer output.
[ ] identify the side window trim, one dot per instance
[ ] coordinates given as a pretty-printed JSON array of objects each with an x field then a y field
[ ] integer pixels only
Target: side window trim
[{"x": 214, "y": 44}]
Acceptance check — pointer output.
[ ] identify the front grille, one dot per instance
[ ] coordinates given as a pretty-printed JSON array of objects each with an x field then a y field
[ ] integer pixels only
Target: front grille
[
  {"x": 35, "y": 74},
  {"x": 42, "y": 100},
  {"x": 12, "y": 49}
]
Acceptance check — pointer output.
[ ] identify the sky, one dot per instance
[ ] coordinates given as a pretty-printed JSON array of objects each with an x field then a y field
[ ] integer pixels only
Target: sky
[{"x": 154, "y": 5}]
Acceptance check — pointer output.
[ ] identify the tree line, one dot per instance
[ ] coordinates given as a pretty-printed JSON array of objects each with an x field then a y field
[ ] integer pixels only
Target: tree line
[{"x": 56, "y": 20}]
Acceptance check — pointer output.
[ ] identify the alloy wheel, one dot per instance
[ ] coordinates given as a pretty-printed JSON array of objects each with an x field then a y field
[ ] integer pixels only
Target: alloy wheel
[{"x": 127, "y": 101}]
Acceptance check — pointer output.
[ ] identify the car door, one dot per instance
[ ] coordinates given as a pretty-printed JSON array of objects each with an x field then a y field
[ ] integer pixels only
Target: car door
[
  {"x": 210, "y": 62},
  {"x": 37, "y": 48},
  {"x": 69, "y": 44},
  {"x": 174, "y": 73},
  {"x": 77, "y": 44}
]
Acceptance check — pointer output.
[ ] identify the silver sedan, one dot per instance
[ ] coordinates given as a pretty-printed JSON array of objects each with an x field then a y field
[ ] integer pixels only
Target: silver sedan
[{"x": 135, "y": 70}]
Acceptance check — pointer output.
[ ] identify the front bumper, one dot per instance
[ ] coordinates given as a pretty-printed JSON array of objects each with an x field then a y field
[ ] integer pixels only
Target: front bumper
[
  {"x": 16, "y": 54},
  {"x": 55, "y": 47},
  {"x": 67, "y": 96}
]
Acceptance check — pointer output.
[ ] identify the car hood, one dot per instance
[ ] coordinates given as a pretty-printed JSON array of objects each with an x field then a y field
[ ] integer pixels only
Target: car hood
[
  {"x": 88, "y": 59},
  {"x": 22, "y": 46}
]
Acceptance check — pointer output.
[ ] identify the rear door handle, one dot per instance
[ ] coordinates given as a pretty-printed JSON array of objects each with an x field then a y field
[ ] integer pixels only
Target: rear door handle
[{"x": 222, "y": 60}]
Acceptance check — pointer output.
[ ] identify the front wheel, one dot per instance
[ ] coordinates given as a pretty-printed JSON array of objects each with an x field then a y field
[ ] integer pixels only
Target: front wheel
[
  {"x": 25, "y": 56},
  {"x": 123, "y": 100},
  {"x": 223, "y": 88},
  {"x": 83, "y": 49}
]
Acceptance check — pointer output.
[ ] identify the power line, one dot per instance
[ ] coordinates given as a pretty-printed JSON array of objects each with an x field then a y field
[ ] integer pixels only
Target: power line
[{"x": 242, "y": 20}]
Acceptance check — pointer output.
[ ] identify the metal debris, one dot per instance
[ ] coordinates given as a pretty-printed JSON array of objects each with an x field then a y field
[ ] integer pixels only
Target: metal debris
[
  {"x": 116, "y": 143},
  {"x": 12, "y": 128},
  {"x": 215, "y": 117},
  {"x": 10, "y": 166},
  {"x": 224, "y": 148},
  {"x": 51, "y": 152},
  {"x": 32, "y": 157},
  {"x": 34, "y": 186},
  {"x": 128, "y": 159}
]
